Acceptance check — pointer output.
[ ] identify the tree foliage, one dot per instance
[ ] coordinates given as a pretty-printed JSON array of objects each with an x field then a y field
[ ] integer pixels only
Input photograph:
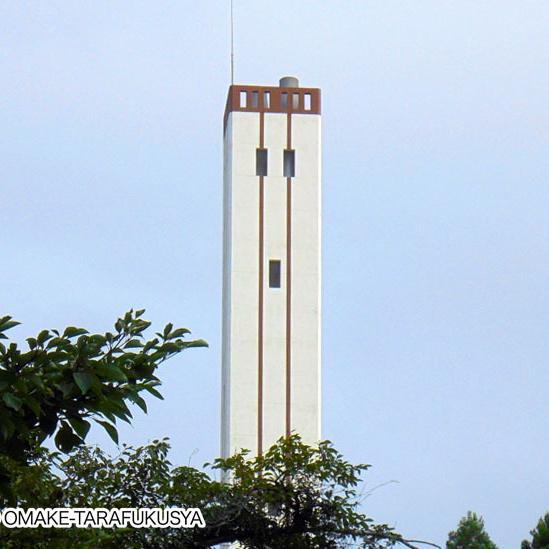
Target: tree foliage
[
  {"x": 470, "y": 534},
  {"x": 294, "y": 496},
  {"x": 66, "y": 379},
  {"x": 540, "y": 535}
]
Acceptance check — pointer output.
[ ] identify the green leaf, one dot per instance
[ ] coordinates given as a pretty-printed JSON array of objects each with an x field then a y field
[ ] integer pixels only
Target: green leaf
[
  {"x": 154, "y": 392},
  {"x": 81, "y": 426},
  {"x": 36, "y": 381},
  {"x": 4, "y": 430},
  {"x": 6, "y": 379},
  {"x": 140, "y": 401},
  {"x": 121, "y": 410},
  {"x": 167, "y": 329},
  {"x": 12, "y": 401},
  {"x": 179, "y": 332},
  {"x": 6, "y": 426},
  {"x": 43, "y": 336},
  {"x": 32, "y": 403},
  {"x": 71, "y": 331},
  {"x": 65, "y": 439},
  {"x": 133, "y": 343},
  {"x": 58, "y": 342},
  {"x": 150, "y": 345},
  {"x": 83, "y": 380},
  {"x": 111, "y": 430},
  {"x": 48, "y": 423},
  {"x": 111, "y": 373},
  {"x": 21, "y": 427},
  {"x": 170, "y": 347},
  {"x": 197, "y": 343},
  {"x": 67, "y": 389},
  {"x": 97, "y": 339},
  {"x": 6, "y": 323}
]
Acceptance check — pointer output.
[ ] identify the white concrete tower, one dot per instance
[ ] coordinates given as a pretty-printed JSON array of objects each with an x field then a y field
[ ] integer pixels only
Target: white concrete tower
[{"x": 271, "y": 266}]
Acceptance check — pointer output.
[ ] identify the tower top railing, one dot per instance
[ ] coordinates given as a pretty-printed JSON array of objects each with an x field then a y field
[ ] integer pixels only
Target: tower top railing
[{"x": 272, "y": 99}]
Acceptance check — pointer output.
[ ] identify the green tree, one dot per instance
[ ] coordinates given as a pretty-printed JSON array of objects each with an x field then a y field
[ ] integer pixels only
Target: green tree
[
  {"x": 294, "y": 496},
  {"x": 540, "y": 535},
  {"x": 66, "y": 379},
  {"x": 470, "y": 534}
]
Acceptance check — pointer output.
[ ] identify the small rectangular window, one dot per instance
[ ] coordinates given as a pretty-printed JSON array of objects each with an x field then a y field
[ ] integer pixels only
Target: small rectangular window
[
  {"x": 289, "y": 163},
  {"x": 255, "y": 100},
  {"x": 243, "y": 98},
  {"x": 295, "y": 101},
  {"x": 284, "y": 100},
  {"x": 307, "y": 101},
  {"x": 267, "y": 100},
  {"x": 274, "y": 273},
  {"x": 261, "y": 162}
]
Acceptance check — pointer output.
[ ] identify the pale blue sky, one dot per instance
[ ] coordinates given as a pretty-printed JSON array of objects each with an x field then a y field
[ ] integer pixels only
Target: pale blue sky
[{"x": 435, "y": 280}]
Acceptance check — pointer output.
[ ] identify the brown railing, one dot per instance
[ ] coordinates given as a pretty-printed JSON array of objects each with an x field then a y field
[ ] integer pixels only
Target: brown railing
[{"x": 273, "y": 99}]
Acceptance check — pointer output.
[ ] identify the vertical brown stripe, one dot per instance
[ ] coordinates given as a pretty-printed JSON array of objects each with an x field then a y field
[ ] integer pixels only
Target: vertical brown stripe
[
  {"x": 261, "y": 130},
  {"x": 289, "y": 288},
  {"x": 260, "y": 301}
]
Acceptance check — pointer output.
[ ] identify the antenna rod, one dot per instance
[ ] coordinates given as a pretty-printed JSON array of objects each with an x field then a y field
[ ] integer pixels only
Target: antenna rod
[{"x": 232, "y": 45}]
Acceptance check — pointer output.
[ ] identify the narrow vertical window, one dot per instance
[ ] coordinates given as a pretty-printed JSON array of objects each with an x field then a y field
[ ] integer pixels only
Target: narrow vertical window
[
  {"x": 267, "y": 100},
  {"x": 307, "y": 101},
  {"x": 243, "y": 99},
  {"x": 255, "y": 100},
  {"x": 274, "y": 273},
  {"x": 284, "y": 100},
  {"x": 295, "y": 101},
  {"x": 261, "y": 162},
  {"x": 289, "y": 163}
]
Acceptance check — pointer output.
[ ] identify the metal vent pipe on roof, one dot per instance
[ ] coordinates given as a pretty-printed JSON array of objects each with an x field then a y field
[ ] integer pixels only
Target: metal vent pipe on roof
[{"x": 289, "y": 82}]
